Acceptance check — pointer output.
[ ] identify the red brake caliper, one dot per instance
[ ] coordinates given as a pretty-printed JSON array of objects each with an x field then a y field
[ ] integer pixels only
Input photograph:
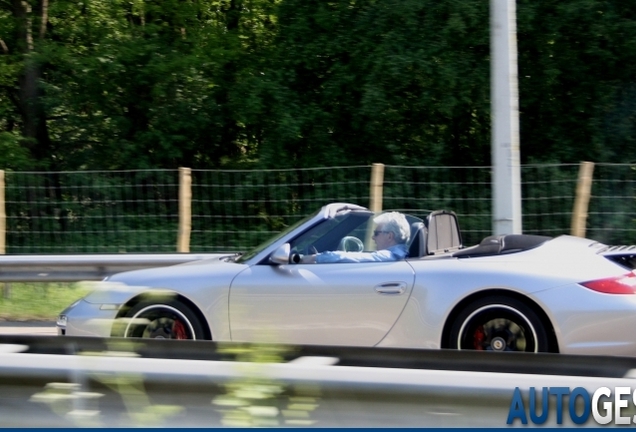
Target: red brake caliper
[
  {"x": 178, "y": 330},
  {"x": 478, "y": 338}
]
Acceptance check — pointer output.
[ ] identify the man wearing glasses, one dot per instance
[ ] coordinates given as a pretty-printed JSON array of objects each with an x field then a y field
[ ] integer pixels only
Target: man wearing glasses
[{"x": 391, "y": 234}]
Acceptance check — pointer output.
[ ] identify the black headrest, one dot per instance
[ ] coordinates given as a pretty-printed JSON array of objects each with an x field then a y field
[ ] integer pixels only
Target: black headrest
[{"x": 417, "y": 240}]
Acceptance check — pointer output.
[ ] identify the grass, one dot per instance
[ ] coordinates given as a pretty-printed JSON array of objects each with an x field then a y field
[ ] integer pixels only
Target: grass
[{"x": 37, "y": 301}]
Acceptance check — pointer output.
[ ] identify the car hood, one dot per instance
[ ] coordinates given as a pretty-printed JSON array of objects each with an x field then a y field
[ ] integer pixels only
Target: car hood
[
  {"x": 159, "y": 276},
  {"x": 191, "y": 279}
]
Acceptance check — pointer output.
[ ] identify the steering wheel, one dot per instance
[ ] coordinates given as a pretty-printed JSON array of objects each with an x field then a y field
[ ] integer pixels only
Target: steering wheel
[
  {"x": 295, "y": 257},
  {"x": 351, "y": 244}
]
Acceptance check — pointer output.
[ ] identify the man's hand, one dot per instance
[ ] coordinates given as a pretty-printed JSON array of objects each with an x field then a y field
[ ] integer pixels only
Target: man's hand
[{"x": 308, "y": 259}]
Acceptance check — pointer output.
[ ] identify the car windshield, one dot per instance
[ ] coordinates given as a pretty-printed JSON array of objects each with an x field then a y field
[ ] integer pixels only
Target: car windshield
[
  {"x": 350, "y": 231},
  {"x": 258, "y": 249},
  {"x": 330, "y": 233}
]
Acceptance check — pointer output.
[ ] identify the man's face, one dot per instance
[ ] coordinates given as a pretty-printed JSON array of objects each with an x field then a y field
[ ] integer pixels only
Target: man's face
[{"x": 383, "y": 239}]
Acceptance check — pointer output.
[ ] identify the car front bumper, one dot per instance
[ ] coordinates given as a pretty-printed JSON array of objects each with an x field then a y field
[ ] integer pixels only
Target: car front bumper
[{"x": 87, "y": 319}]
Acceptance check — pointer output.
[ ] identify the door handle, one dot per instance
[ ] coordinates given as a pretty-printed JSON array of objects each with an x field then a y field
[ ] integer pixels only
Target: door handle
[{"x": 391, "y": 288}]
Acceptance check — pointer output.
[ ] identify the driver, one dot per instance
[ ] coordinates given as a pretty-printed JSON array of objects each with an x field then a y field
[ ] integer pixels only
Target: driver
[{"x": 391, "y": 234}]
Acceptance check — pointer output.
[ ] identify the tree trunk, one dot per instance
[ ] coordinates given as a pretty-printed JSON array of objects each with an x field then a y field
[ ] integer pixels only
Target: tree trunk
[{"x": 34, "y": 127}]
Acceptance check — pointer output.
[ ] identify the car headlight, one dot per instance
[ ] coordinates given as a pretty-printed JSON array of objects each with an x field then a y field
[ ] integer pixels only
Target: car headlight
[{"x": 62, "y": 320}]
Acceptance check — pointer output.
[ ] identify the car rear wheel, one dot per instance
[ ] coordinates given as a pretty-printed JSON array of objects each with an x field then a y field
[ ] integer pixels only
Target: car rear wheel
[
  {"x": 161, "y": 320},
  {"x": 498, "y": 324}
]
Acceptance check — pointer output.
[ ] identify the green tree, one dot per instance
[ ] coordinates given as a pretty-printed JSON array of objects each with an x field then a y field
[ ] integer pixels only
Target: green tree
[
  {"x": 23, "y": 27},
  {"x": 577, "y": 74},
  {"x": 398, "y": 81},
  {"x": 272, "y": 83},
  {"x": 139, "y": 84}
]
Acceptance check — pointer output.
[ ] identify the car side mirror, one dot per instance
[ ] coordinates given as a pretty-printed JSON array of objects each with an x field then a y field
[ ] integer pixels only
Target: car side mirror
[{"x": 281, "y": 255}]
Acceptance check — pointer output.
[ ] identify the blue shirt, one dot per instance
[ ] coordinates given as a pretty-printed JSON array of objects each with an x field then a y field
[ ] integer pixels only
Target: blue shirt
[{"x": 394, "y": 253}]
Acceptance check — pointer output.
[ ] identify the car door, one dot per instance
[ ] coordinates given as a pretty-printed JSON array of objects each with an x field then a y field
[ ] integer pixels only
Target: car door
[{"x": 331, "y": 304}]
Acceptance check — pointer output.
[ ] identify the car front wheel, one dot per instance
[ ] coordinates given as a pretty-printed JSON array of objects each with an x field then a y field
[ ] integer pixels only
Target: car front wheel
[
  {"x": 161, "y": 320},
  {"x": 498, "y": 324}
]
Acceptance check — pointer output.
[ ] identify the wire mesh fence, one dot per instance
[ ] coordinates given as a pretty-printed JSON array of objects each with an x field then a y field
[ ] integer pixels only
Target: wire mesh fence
[
  {"x": 548, "y": 193},
  {"x": 464, "y": 190},
  {"x": 233, "y": 210},
  {"x": 91, "y": 211},
  {"x": 612, "y": 213}
]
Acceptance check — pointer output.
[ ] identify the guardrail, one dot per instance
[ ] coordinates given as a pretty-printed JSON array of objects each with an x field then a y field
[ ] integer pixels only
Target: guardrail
[
  {"x": 75, "y": 268},
  {"x": 64, "y": 382}
]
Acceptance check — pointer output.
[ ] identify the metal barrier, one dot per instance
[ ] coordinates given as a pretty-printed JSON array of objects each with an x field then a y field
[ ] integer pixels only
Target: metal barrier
[
  {"x": 74, "y": 268},
  {"x": 65, "y": 382}
]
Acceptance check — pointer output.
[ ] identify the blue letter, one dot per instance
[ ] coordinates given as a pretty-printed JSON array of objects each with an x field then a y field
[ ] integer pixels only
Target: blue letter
[
  {"x": 559, "y": 392},
  {"x": 517, "y": 410},
  {"x": 544, "y": 406},
  {"x": 579, "y": 391}
]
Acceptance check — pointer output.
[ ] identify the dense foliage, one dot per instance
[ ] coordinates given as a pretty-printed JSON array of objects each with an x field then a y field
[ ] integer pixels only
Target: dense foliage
[
  {"x": 94, "y": 84},
  {"x": 207, "y": 84}
]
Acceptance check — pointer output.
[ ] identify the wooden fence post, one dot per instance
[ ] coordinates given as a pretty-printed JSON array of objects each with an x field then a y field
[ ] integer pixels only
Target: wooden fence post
[
  {"x": 6, "y": 290},
  {"x": 185, "y": 210},
  {"x": 3, "y": 217},
  {"x": 377, "y": 185},
  {"x": 375, "y": 199},
  {"x": 582, "y": 199}
]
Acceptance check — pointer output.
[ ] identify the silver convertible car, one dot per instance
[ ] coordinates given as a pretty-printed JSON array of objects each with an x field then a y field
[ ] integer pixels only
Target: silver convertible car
[{"x": 508, "y": 293}]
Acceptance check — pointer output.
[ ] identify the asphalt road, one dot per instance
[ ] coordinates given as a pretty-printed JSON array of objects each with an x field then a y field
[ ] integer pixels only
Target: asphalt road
[{"x": 40, "y": 328}]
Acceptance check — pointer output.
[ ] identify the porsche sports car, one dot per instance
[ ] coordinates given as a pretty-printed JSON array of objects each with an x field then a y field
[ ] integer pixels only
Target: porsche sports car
[{"x": 508, "y": 293}]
